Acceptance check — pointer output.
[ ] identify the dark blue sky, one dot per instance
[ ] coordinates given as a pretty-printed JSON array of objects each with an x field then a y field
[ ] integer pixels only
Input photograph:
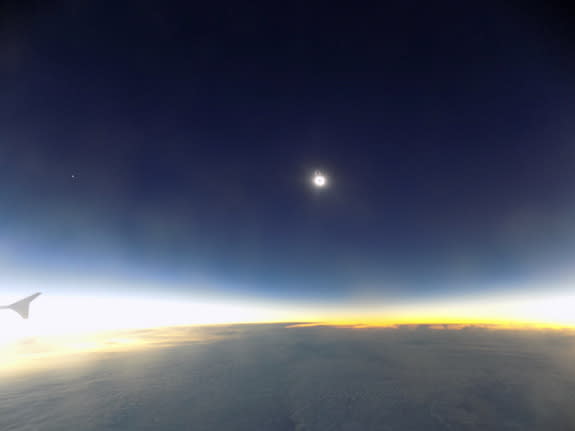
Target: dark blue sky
[{"x": 446, "y": 129}]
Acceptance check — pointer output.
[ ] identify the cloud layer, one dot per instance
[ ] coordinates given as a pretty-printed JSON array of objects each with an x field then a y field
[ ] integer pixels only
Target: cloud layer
[{"x": 262, "y": 377}]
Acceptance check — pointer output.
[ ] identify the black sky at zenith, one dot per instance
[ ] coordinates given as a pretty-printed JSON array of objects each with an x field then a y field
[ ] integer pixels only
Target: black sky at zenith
[{"x": 174, "y": 141}]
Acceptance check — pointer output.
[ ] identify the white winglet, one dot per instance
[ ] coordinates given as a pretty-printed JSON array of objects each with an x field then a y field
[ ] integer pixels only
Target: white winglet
[{"x": 22, "y": 307}]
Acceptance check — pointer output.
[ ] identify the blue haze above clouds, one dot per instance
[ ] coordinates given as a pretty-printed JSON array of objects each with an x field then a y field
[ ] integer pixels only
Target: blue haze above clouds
[{"x": 268, "y": 377}]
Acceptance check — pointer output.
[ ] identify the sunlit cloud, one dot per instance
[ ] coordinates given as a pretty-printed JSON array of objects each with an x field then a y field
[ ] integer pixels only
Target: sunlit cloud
[{"x": 64, "y": 325}]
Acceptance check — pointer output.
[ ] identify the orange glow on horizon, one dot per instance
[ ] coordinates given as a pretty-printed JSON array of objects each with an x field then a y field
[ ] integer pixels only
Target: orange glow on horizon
[{"x": 66, "y": 327}]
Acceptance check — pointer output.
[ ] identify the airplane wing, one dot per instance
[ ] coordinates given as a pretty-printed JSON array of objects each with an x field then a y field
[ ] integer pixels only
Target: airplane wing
[{"x": 22, "y": 307}]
